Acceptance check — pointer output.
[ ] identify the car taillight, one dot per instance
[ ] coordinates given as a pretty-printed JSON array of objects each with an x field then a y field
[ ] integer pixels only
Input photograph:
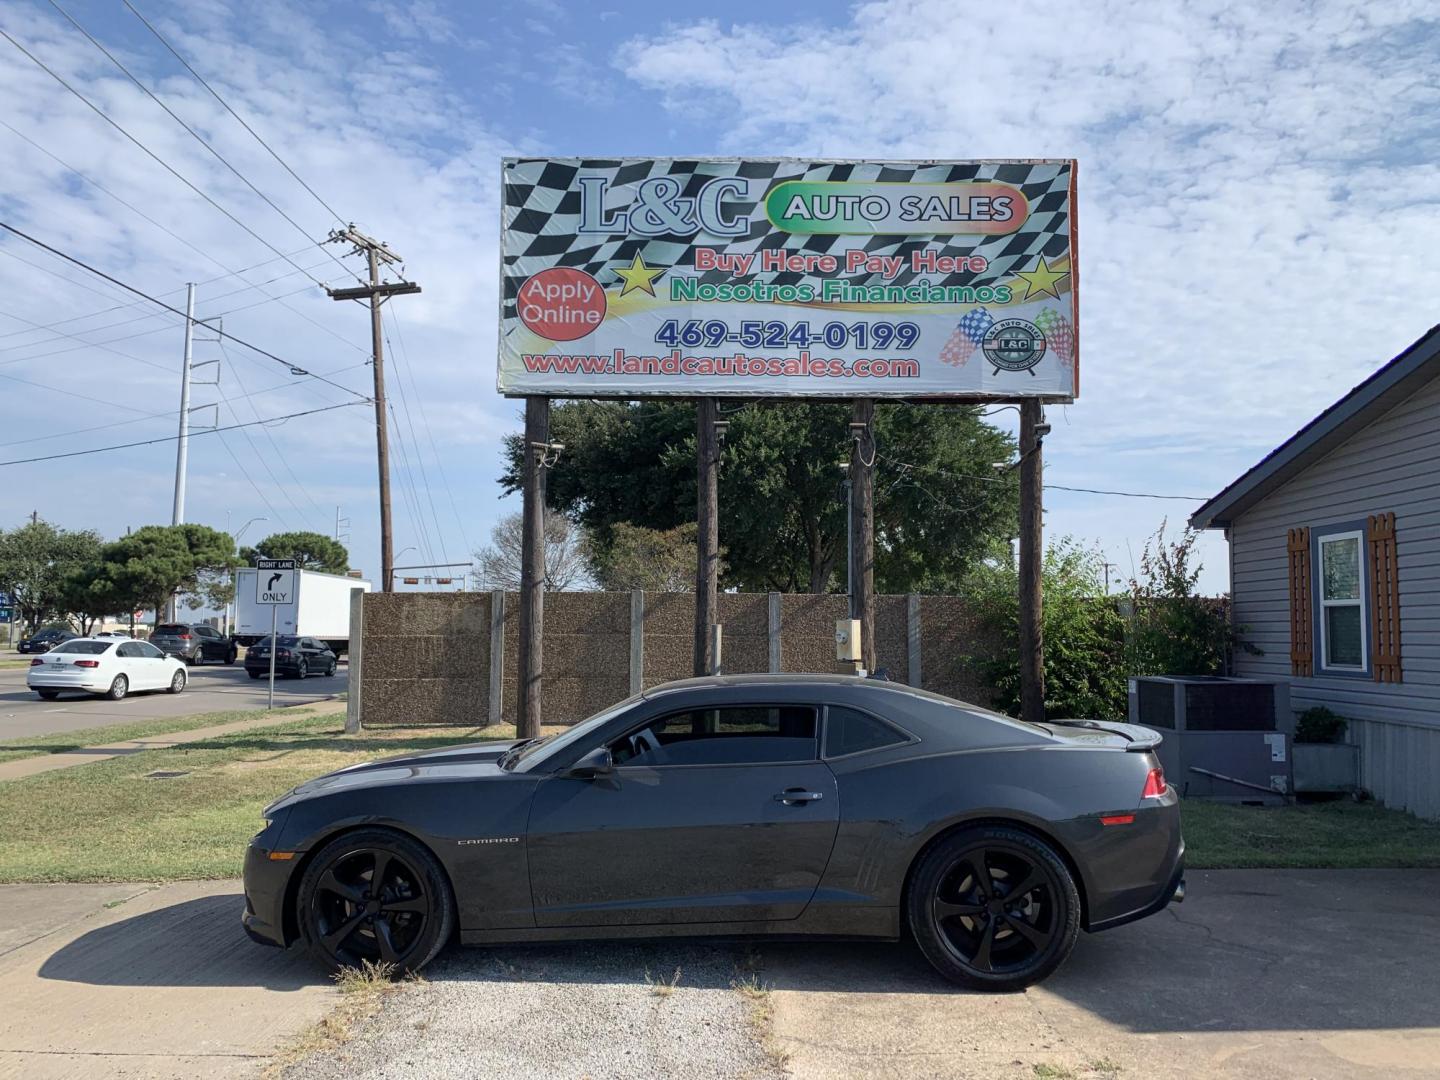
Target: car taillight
[
  {"x": 282, "y": 653},
  {"x": 183, "y": 637},
  {"x": 37, "y": 660},
  {"x": 87, "y": 663},
  {"x": 1155, "y": 785}
]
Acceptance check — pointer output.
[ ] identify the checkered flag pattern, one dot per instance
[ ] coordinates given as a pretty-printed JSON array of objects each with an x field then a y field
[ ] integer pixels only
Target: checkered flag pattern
[
  {"x": 542, "y": 211},
  {"x": 1059, "y": 335},
  {"x": 967, "y": 337}
]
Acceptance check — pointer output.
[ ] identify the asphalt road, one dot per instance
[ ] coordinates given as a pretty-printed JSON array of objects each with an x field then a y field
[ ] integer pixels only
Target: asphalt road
[{"x": 213, "y": 688}]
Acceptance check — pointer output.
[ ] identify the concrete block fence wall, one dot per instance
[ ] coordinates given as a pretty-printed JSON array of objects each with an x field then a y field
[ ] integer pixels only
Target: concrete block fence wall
[{"x": 451, "y": 658}]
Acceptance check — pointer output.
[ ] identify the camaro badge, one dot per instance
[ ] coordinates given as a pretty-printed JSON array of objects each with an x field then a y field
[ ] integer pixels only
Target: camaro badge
[{"x": 490, "y": 840}]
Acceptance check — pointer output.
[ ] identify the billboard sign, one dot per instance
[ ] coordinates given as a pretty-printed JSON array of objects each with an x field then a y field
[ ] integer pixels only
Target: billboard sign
[{"x": 643, "y": 277}]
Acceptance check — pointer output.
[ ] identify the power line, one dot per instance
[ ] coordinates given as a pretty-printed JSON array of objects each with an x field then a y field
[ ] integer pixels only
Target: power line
[
  {"x": 415, "y": 442},
  {"x": 226, "y": 106},
  {"x": 172, "y": 438},
  {"x": 150, "y": 153},
  {"x": 180, "y": 239},
  {"x": 194, "y": 134},
  {"x": 294, "y": 369},
  {"x": 170, "y": 415},
  {"x": 1048, "y": 487}
]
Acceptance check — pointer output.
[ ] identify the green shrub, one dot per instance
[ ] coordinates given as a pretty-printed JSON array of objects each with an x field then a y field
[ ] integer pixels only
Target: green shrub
[
  {"x": 1319, "y": 725},
  {"x": 1083, "y": 633}
]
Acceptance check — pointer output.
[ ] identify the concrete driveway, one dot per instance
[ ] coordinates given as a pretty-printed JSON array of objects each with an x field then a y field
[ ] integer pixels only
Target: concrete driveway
[
  {"x": 144, "y": 981},
  {"x": 213, "y": 688},
  {"x": 1273, "y": 973},
  {"x": 1280, "y": 974}
]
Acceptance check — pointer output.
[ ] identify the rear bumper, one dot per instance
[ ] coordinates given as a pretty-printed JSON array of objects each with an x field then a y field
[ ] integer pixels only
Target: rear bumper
[
  {"x": 1172, "y": 893},
  {"x": 281, "y": 668},
  {"x": 66, "y": 682}
]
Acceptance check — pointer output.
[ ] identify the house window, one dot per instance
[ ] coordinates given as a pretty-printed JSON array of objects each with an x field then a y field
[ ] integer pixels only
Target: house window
[{"x": 1342, "y": 602}]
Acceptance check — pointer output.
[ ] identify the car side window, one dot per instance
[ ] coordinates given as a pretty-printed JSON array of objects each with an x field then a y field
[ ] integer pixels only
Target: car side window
[
  {"x": 129, "y": 649},
  {"x": 145, "y": 649},
  {"x": 733, "y": 735},
  {"x": 205, "y": 631},
  {"x": 848, "y": 731}
]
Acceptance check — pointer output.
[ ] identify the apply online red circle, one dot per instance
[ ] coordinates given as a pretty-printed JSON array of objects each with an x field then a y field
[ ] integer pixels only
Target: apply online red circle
[{"x": 561, "y": 304}]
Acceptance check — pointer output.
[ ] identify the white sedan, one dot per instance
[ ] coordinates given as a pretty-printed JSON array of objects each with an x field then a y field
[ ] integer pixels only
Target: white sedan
[{"x": 106, "y": 666}]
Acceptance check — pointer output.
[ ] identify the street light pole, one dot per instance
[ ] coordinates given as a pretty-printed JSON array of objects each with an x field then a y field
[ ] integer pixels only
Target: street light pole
[{"x": 229, "y": 629}]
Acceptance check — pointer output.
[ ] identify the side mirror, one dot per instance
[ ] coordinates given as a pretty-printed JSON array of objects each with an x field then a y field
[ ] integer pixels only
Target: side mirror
[{"x": 598, "y": 762}]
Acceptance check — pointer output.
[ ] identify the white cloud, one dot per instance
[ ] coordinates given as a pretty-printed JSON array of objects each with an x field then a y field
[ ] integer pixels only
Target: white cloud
[
  {"x": 385, "y": 139},
  {"x": 1257, "y": 195}
]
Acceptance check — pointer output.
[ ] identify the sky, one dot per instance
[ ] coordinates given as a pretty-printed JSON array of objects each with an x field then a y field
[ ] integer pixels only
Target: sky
[{"x": 1257, "y": 208}]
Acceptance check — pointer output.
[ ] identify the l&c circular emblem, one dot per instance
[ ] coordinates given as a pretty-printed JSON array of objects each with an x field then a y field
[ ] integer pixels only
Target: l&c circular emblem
[{"x": 1014, "y": 345}]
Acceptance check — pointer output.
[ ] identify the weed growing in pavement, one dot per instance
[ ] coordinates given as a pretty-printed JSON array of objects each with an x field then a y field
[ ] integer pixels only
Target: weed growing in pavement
[
  {"x": 1052, "y": 1072},
  {"x": 660, "y": 987},
  {"x": 1106, "y": 1066},
  {"x": 367, "y": 977}
]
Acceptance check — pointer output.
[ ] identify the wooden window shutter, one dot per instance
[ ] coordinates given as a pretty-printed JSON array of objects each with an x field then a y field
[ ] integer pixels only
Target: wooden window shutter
[
  {"x": 1384, "y": 599},
  {"x": 1302, "y": 651}
]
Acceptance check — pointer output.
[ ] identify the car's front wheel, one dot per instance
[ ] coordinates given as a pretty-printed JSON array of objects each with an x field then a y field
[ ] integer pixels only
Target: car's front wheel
[
  {"x": 993, "y": 908},
  {"x": 48, "y": 695},
  {"x": 375, "y": 895}
]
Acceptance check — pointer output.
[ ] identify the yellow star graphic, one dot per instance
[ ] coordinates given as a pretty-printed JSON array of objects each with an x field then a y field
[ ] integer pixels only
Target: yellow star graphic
[
  {"x": 638, "y": 276},
  {"x": 1041, "y": 280}
]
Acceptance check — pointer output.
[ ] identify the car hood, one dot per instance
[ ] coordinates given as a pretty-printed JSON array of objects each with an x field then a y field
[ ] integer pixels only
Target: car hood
[{"x": 468, "y": 761}]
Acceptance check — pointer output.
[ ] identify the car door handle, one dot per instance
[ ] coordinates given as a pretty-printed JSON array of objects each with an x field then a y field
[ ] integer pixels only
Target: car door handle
[{"x": 794, "y": 796}]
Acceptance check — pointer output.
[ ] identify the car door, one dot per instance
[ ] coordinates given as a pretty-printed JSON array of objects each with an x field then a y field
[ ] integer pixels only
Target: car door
[
  {"x": 158, "y": 670},
  {"x": 207, "y": 638},
  {"x": 130, "y": 662},
  {"x": 710, "y": 815}
]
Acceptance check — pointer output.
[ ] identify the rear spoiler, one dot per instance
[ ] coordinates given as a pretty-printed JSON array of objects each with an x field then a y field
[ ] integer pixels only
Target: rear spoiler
[{"x": 1139, "y": 738}]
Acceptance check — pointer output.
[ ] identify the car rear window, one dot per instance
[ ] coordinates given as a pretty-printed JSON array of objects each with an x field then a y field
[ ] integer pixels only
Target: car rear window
[
  {"x": 172, "y": 630},
  {"x": 90, "y": 648},
  {"x": 286, "y": 640}
]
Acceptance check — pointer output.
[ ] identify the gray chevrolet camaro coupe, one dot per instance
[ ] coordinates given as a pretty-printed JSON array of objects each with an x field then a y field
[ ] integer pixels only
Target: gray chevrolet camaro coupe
[{"x": 782, "y": 805}]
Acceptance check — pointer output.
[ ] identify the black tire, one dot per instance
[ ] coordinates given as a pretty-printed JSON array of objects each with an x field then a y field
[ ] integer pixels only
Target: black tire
[
  {"x": 302, "y": 669},
  {"x": 255, "y": 674},
  {"x": 330, "y": 671},
  {"x": 343, "y": 923},
  {"x": 118, "y": 689},
  {"x": 193, "y": 659},
  {"x": 981, "y": 927},
  {"x": 48, "y": 695},
  {"x": 178, "y": 683},
  {"x": 230, "y": 658}
]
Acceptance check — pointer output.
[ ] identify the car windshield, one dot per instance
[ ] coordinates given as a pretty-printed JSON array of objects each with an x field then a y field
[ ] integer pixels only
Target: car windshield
[
  {"x": 530, "y": 753},
  {"x": 284, "y": 639},
  {"x": 91, "y": 648}
]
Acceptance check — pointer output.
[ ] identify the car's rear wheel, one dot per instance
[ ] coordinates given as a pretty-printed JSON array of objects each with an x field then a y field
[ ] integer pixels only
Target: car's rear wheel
[
  {"x": 230, "y": 657},
  {"x": 48, "y": 695},
  {"x": 177, "y": 683},
  {"x": 302, "y": 670},
  {"x": 119, "y": 688},
  {"x": 994, "y": 908},
  {"x": 375, "y": 895},
  {"x": 255, "y": 674}
]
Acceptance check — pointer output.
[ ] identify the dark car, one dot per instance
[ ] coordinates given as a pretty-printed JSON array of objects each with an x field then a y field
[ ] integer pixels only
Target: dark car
[
  {"x": 297, "y": 656},
  {"x": 194, "y": 643},
  {"x": 738, "y": 805},
  {"x": 44, "y": 640}
]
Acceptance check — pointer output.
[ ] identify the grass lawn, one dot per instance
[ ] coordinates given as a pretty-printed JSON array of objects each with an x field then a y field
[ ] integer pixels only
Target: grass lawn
[
  {"x": 109, "y": 822},
  {"x": 37, "y": 745},
  {"x": 1327, "y": 835}
]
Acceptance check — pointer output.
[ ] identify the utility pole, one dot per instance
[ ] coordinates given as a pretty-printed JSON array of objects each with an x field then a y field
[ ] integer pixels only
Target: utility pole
[
  {"x": 182, "y": 445},
  {"x": 376, "y": 292},
  {"x": 532, "y": 566},
  {"x": 1033, "y": 430},
  {"x": 862, "y": 526},
  {"x": 707, "y": 540}
]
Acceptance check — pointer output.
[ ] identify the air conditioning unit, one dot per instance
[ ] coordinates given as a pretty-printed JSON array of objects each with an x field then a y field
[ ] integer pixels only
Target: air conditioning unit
[{"x": 1225, "y": 738}]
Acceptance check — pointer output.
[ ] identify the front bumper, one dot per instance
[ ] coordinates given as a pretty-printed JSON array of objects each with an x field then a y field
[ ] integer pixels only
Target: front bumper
[{"x": 267, "y": 884}]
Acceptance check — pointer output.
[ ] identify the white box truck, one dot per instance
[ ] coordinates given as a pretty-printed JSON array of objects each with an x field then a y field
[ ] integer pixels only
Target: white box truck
[{"x": 320, "y": 609}]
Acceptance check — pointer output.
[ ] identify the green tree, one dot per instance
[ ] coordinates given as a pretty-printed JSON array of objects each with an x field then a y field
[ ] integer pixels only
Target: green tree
[
  {"x": 315, "y": 551},
  {"x": 1083, "y": 633},
  {"x": 90, "y": 593},
  {"x": 155, "y": 562},
  {"x": 656, "y": 560},
  {"x": 1174, "y": 631},
  {"x": 35, "y": 561},
  {"x": 939, "y": 502}
]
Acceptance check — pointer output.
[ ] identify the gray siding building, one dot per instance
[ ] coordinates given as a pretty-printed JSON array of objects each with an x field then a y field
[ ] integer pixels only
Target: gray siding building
[{"x": 1335, "y": 571}]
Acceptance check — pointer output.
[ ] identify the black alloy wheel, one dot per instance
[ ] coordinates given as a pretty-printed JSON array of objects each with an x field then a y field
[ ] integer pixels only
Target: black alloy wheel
[
  {"x": 379, "y": 896},
  {"x": 994, "y": 908},
  {"x": 302, "y": 669}
]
